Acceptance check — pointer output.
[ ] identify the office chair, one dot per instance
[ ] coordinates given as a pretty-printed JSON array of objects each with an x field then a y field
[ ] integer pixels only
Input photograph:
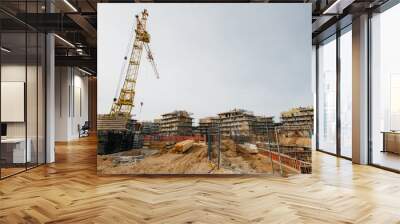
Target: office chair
[{"x": 84, "y": 130}]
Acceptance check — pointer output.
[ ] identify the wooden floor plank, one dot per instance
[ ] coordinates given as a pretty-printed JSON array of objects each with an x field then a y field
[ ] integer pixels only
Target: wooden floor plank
[{"x": 69, "y": 191}]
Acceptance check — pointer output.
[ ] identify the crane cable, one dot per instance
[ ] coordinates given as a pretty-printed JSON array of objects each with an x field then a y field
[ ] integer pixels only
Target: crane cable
[
  {"x": 151, "y": 60},
  {"x": 126, "y": 59}
]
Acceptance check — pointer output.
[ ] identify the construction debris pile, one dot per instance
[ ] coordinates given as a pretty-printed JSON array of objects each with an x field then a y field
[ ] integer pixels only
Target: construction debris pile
[{"x": 190, "y": 157}]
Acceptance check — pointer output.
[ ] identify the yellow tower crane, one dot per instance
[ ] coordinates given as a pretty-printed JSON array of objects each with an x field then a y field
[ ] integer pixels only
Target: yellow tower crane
[{"x": 122, "y": 106}]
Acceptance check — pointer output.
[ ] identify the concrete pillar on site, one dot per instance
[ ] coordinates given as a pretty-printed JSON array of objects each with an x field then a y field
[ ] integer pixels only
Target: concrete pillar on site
[{"x": 360, "y": 90}]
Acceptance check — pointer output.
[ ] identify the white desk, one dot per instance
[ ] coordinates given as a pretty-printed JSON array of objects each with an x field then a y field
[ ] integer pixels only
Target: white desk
[{"x": 18, "y": 144}]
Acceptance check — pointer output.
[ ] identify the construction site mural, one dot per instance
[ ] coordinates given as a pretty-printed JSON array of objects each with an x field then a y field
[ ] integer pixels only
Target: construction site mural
[{"x": 204, "y": 89}]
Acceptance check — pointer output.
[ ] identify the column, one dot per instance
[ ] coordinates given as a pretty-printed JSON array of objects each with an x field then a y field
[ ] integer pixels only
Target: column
[{"x": 360, "y": 90}]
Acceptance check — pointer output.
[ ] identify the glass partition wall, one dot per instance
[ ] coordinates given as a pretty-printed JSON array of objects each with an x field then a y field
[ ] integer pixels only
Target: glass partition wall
[
  {"x": 327, "y": 95},
  {"x": 334, "y": 89},
  {"x": 385, "y": 89},
  {"x": 345, "y": 61},
  {"x": 13, "y": 89},
  {"x": 22, "y": 77}
]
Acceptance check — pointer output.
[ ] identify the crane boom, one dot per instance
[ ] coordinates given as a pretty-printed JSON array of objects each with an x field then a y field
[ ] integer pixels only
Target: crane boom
[{"x": 122, "y": 106}]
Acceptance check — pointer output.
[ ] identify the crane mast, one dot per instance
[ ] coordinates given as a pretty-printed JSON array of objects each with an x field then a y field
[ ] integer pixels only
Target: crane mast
[{"x": 122, "y": 106}]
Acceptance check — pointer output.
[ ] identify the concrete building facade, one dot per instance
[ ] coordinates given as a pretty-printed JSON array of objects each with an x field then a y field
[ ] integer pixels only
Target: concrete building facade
[
  {"x": 243, "y": 122},
  {"x": 177, "y": 122}
]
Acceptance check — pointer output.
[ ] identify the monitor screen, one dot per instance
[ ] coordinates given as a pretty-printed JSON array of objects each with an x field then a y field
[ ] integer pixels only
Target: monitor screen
[{"x": 3, "y": 129}]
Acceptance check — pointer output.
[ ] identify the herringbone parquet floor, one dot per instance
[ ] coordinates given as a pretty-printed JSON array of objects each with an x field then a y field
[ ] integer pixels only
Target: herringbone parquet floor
[{"x": 69, "y": 191}]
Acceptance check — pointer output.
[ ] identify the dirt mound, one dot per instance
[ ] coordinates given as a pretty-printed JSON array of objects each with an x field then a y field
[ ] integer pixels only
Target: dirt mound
[
  {"x": 193, "y": 160},
  {"x": 295, "y": 141}
]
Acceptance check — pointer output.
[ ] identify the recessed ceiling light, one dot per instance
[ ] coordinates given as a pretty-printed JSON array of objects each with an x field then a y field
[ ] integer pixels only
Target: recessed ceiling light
[
  {"x": 5, "y": 50},
  {"x": 337, "y": 7},
  {"x": 64, "y": 40},
  {"x": 84, "y": 71},
  {"x": 70, "y": 5}
]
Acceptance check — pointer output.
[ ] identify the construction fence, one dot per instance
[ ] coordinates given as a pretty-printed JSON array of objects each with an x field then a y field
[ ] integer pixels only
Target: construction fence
[
  {"x": 301, "y": 166},
  {"x": 173, "y": 138}
]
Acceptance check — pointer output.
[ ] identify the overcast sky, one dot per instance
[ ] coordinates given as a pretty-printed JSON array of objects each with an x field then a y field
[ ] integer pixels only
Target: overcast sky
[{"x": 211, "y": 57}]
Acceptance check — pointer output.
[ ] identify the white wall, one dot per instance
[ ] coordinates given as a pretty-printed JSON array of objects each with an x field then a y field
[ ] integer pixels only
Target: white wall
[
  {"x": 71, "y": 102},
  {"x": 80, "y": 110},
  {"x": 62, "y": 82}
]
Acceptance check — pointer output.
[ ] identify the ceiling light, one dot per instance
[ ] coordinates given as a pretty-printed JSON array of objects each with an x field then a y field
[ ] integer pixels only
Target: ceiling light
[
  {"x": 331, "y": 7},
  {"x": 84, "y": 71},
  {"x": 64, "y": 40},
  {"x": 338, "y": 6},
  {"x": 79, "y": 51},
  {"x": 70, "y": 5},
  {"x": 5, "y": 50}
]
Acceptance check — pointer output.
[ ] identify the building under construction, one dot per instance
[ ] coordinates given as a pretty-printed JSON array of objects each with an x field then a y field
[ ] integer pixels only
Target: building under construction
[
  {"x": 207, "y": 123},
  {"x": 178, "y": 122},
  {"x": 295, "y": 131},
  {"x": 299, "y": 118},
  {"x": 261, "y": 125},
  {"x": 150, "y": 127},
  {"x": 239, "y": 122}
]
